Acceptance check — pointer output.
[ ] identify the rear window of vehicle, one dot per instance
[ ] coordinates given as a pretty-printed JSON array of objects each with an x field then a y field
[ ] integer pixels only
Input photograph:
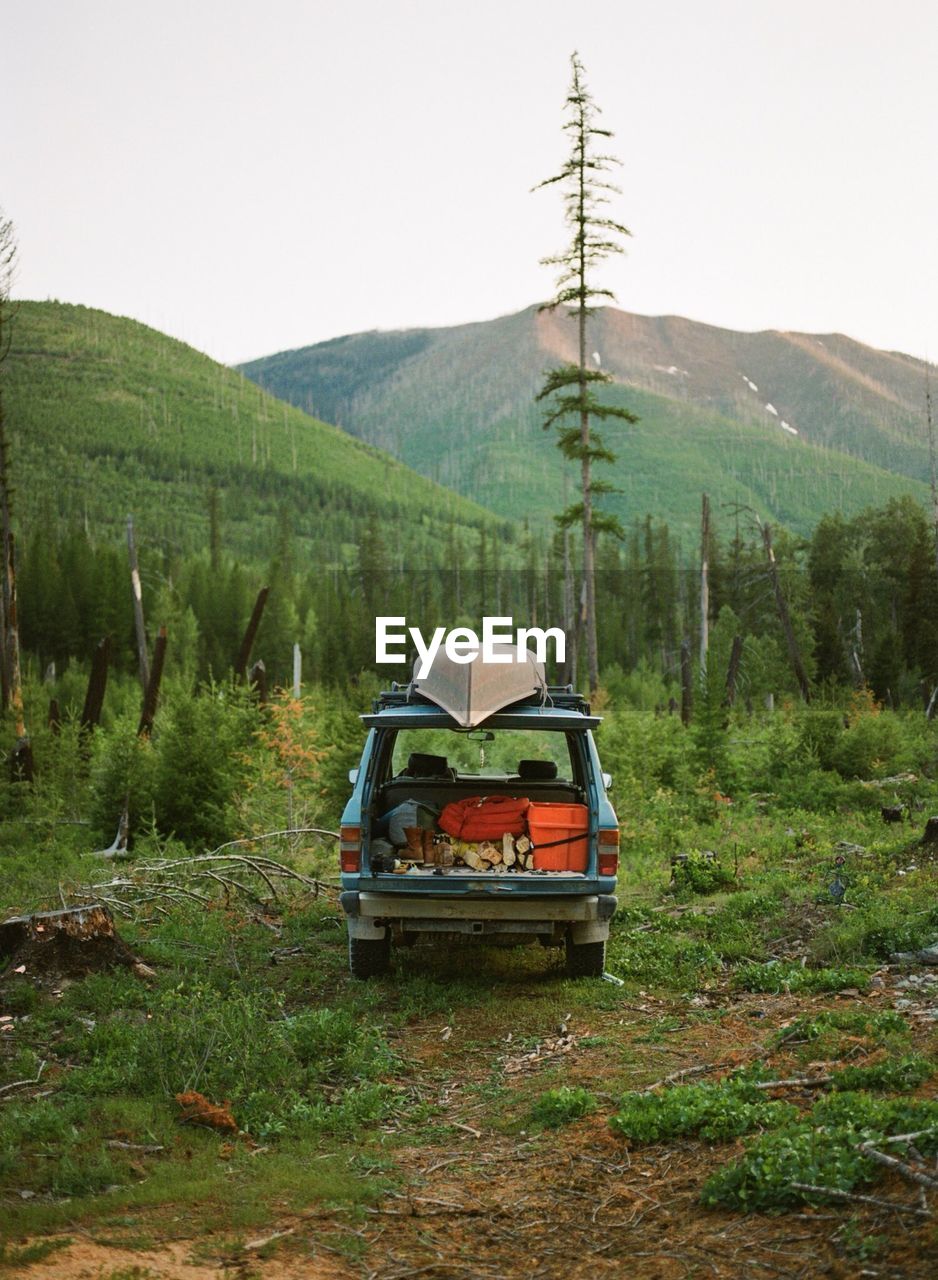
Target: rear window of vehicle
[{"x": 485, "y": 753}]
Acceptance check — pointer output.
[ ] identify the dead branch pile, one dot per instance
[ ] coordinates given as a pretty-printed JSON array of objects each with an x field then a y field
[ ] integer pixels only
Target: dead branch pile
[{"x": 158, "y": 884}]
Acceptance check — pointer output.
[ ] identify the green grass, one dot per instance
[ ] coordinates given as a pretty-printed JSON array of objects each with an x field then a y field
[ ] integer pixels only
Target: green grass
[{"x": 334, "y": 1078}]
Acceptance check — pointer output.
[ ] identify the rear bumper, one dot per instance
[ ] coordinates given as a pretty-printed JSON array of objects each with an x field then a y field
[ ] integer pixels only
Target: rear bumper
[{"x": 371, "y": 914}]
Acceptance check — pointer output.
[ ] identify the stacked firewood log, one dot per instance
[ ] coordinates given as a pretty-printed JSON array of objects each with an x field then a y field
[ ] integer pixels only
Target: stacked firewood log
[{"x": 513, "y": 853}]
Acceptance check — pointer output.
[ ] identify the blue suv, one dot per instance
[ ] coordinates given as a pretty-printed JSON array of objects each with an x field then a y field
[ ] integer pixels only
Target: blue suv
[{"x": 417, "y": 760}]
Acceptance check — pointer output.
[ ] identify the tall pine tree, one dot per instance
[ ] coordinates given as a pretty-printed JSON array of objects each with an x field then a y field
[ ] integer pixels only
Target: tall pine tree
[{"x": 570, "y": 388}]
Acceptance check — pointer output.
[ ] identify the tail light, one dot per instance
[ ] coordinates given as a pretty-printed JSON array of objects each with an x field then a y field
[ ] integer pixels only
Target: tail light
[
  {"x": 608, "y": 861},
  {"x": 350, "y": 848}
]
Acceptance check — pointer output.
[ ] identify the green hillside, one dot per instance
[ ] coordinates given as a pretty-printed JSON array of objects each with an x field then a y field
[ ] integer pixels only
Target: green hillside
[
  {"x": 106, "y": 416},
  {"x": 458, "y": 405}
]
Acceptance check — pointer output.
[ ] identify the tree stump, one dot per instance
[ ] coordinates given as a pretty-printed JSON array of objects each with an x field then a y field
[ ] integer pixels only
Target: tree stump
[
  {"x": 69, "y": 943},
  {"x": 930, "y": 836}
]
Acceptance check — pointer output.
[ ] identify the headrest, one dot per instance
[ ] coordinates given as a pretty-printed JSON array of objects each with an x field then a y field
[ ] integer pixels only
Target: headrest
[
  {"x": 421, "y": 765},
  {"x": 536, "y": 770}
]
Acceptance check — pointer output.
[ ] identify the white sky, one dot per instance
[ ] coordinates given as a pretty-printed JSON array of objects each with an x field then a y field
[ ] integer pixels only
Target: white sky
[{"x": 250, "y": 177}]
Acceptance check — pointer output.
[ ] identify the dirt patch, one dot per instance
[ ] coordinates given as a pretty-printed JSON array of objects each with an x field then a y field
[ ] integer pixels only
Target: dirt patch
[{"x": 86, "y": 1260}]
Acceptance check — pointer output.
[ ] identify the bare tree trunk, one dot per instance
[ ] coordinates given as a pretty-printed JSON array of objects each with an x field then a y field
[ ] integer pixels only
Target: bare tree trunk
[
  {"x": 97, "y": 684},
  {"x": 687, "y": 684},
  {"x": 785, "y": 617},
  {"x": 13, "y": 631},
  {"x": 152, "y": 694},
  {"x": 732, "y": 674},
  {"x": 247, "y": 643},
  {"x": 6, "y": 550},
  {"x": 933, "y": 461},
  {"x": 704, "y": 584},
  {"x": 297, "y": 671},
  {"x": 143, "y": 666}
]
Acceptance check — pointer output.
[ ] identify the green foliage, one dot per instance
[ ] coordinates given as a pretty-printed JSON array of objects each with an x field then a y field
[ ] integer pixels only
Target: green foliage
[
  {"x": 557, "y": 1107},
  {"x": 893, "y": 1073},
  {"x": 201, "y": 766},
  {"x": 898, "y": 918},
  {"x": 715, "y": 1112},
  {"x": 762, "y": 1178},
  {"x": 700, "y": 874},
  {"x": 661, "y": 959},
  {"x": 878, "y": 1027},
  {"x": 123, "y": 774},
  {"x": 313, "y": 1070},
  {"x": 775, "y": 977},
  {"x": 154, "y": 426}
]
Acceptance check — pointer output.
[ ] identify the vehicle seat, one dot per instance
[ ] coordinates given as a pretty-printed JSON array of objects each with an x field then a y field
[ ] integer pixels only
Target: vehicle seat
[
  {"x": 422, "y": 765},
  {"x": 537, "y": 770}
]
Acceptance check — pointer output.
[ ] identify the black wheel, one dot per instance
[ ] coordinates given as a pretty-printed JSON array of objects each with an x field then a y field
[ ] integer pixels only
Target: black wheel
[
  {"x": 369, "y": 957},
  {"x": 586, "y": 959}
]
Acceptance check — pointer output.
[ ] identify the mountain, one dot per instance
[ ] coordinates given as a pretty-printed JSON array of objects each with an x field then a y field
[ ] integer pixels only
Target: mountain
[
  {"x": 791, "y": 424},
  {"x": 106, "y": 416}
]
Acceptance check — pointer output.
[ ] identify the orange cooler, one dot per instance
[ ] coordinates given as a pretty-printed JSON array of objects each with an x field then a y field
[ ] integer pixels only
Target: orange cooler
[{"x": 563, "y": 830}]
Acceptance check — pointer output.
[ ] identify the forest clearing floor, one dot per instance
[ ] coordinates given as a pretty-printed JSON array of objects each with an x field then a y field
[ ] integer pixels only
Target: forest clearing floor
[{"x": 464, "y": 1102}]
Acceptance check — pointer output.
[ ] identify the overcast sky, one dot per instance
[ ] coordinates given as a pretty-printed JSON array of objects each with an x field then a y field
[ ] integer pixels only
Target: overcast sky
[{"x": 250, "y": 177}]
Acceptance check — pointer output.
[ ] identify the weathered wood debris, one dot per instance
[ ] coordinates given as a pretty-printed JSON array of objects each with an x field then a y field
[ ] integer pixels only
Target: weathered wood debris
[{"x": 68, "y": 943}]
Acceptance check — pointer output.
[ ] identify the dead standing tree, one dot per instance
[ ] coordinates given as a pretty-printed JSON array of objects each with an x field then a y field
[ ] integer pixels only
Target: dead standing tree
[
  {"x": 782, "y": 609},
  {"x": 11, "y": 689},
  {"x": 143, "y": 664},
  {"x": 784, "y": 616}
]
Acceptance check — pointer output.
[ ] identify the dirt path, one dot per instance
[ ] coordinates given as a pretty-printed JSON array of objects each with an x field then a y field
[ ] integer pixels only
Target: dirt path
[{"x": 479, "y": 1195}]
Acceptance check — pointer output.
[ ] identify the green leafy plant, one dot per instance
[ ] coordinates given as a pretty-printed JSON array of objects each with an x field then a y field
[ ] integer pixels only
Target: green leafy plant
[
  {"x": 699, "y": 874},
  {"x": 712, "y": 1111},
  {"x": 763, "y": 1177},
  {"x": 560, "y": 1106},
  {"x": 775, "y": 978}
]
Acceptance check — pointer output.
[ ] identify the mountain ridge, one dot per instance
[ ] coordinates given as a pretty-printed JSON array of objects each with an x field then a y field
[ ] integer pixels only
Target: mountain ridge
[{"x": 454, "y": 402}]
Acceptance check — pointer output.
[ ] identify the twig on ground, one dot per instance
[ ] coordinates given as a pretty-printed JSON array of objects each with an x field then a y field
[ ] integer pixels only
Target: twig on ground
[
  {"x": 675, "y": 1076},
  {"x": 20, "y": 1084},
  {"x": 147, "y": 1149},
  {"x": 894, "y": 1205},
  {"x": 797, "y": 1082}
]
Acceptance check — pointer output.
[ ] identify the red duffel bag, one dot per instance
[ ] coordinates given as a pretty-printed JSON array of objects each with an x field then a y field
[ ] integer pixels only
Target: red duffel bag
[{"x": 484, "y": 817}]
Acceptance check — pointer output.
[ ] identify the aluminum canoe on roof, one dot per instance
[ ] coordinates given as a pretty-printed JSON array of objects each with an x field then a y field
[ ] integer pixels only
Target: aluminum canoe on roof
[{"x": 472, "y": 691}]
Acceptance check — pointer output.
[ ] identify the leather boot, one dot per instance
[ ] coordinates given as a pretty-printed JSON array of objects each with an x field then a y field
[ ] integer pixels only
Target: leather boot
[
  {"x": 429, "y": 848},
  {"x": 414, "y": 849}
]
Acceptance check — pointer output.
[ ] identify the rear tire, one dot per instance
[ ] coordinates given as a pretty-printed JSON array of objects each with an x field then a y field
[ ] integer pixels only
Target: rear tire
[
  {"x": 369, "y": 957},
  {"x": 585, "y": 959}
]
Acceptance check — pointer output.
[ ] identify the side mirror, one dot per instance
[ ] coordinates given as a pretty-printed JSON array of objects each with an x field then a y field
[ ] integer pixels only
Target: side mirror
[
  {"x": 353, "y": 776},
  {"x": 607, "y": 781}
]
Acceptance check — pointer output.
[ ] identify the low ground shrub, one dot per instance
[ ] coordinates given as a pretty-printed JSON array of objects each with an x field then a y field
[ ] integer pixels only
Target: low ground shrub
[
  {"x": 774, "y": 978},
  {"x": 700, "y": 874},
  {"x": 560, "y": 1106},
  {"x": 712, "y": 1111},
  {"x": 763, "y": 1177}
]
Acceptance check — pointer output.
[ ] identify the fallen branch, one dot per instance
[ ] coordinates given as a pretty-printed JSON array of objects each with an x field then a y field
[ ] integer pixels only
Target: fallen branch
[
  {"x": 270, "y": 835},
  {"x": 20, "y": 1084},
  {"x": 145, "y": 1148},
  {"x": 675, "y": 1076},
  {"x": 894, "y": 1205},
  {"x": 910, "y": 1137},
  {"x": 899, "y": 1166},
  {"x": 797, "y": 1082},
  {"x": 177, "y": 879}
]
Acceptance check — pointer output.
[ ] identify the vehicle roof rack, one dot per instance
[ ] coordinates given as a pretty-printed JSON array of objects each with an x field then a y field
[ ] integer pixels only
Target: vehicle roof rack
[{"x": 561, "y": 696}]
